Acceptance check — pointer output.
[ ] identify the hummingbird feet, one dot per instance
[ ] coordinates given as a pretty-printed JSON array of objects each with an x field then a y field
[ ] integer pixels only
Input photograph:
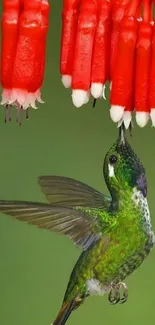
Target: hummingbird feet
[{"x": 118, "y": 293}]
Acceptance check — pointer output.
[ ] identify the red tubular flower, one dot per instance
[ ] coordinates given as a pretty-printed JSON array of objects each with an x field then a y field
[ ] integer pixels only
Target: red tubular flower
[
  {"x": 101, "y": 40},
  {"x": 39, "y": 64},
  {"x": 121, "y": 89},
  {"x": 81, "y": 77},
  {"x": 152, "y": 80},
  {"x": 26, "y": 53},
  {"x": 24, "y": 30},
  {"x": 118, "y": 10},
  {"x": 142, "y": 72},
  {"x": 101, "y": 49},
  {"x": 69, "y": 27},
  {"x": 10, "y": 21},
  {"x": 127, "y": 115}
]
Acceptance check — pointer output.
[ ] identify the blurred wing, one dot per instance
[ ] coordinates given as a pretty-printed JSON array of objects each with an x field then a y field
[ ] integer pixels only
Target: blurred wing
[
  {"x": 77, "y": 225},
  {"x": 68, "y": 192}
]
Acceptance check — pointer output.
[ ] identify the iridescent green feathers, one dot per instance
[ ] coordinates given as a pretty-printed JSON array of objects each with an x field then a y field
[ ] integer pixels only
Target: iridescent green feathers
[{"x": 128, "y": 171}]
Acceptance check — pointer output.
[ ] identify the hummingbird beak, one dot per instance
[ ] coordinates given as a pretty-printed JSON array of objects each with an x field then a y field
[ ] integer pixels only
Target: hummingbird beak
[{"x": 121, "y": 137}]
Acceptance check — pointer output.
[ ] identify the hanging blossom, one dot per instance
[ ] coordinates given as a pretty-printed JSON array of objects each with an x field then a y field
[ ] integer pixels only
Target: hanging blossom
[
  {"x": 110, "y": 40},
  {"x": 24, "y": 31}
]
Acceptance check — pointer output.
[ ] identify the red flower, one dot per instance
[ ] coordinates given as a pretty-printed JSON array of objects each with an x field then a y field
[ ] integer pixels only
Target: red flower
[
  {"x": 112, "y": 41},
  {"x": 102, "y": 40},
  {"x": 24, "y": 30}
]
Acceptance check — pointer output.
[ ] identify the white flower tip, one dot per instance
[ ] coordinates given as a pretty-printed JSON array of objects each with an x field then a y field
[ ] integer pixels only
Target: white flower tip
[
  {"x": 87, "y": 97},
  {"x": 116, "y": 112},
  {"x": 96, "y": 89},
  {"x": 4, "y": 101},
  {"x": 67, "y": 81},
  {"x": 142, "y": 118},
  {"x": 39, "y": 99},
  {"x": 127, "y": 117},
  {"x": 139, "y": 19},
  {"x": 152, "y": 115},
  {"x": 30, "y": 101},
  {"x": 33, "y": 105},
  {"x": 103, "y": 94},
  {"x": 6, "y": 94},
  {"x": 38, "y": 96},
  {"x": 19, "y": 95},
  {"x": 79, "y": 97},
  {"x": 120, "y": 122}
]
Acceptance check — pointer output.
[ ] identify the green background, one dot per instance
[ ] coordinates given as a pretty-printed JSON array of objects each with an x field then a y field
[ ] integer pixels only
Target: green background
[{"x": 59, "y": 139}]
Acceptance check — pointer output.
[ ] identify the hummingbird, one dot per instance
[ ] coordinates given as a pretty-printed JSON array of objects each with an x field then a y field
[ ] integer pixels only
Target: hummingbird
[{"x": 114, "y": 232}]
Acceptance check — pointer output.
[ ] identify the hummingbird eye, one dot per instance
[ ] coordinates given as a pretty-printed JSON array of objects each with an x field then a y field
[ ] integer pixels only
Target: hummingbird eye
[{"x": 113, "y": 159}]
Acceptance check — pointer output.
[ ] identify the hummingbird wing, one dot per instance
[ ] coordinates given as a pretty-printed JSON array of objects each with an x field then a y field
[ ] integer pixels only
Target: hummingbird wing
[
  {"x": 81, "y": 226},
  {"x": 64, "y": 191}
]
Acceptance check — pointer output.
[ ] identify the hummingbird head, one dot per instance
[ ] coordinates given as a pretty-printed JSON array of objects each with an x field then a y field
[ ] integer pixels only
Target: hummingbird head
[{"x": 122, "y": 169}]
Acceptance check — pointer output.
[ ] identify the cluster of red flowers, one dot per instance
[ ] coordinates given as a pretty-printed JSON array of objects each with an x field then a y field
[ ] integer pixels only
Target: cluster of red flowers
[
  {"x": 102, "y": 40},
  {"x": 24, "y": 30},
  {"x": 111, "y": 40}
]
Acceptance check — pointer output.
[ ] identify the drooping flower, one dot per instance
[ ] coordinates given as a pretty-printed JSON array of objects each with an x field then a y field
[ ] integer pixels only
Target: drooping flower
[
  {"x": 81, "y": 76},
  {"x": 115, "y": 42},
  {"x": 24, "y": 30},
  {"x": 122, "y": 85},
  {"x": 101, "y": 50},
  {"x": 70, "y": 14}
]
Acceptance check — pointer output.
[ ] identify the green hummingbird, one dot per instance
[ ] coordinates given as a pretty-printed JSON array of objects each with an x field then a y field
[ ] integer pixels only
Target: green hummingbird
[{"x": 114, "y": 232}]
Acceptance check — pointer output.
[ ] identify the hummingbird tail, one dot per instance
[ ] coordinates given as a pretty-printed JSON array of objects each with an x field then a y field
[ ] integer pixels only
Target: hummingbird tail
[{"x": 65, "y": 311}]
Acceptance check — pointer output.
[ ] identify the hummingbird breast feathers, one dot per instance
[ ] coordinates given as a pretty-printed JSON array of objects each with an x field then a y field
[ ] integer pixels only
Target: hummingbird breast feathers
[
  {"x": 141, "y": 202},
  {"x": 95, "y": 287}
]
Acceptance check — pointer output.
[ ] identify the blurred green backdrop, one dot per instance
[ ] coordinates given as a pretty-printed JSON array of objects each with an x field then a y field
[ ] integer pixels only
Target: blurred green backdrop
[{"x": 59, "y": 139}]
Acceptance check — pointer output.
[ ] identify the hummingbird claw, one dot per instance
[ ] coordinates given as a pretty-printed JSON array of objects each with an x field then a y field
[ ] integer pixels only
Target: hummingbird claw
[
  {"x": 115, "y": 294},
  {"x": 124, "y": 298}
]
